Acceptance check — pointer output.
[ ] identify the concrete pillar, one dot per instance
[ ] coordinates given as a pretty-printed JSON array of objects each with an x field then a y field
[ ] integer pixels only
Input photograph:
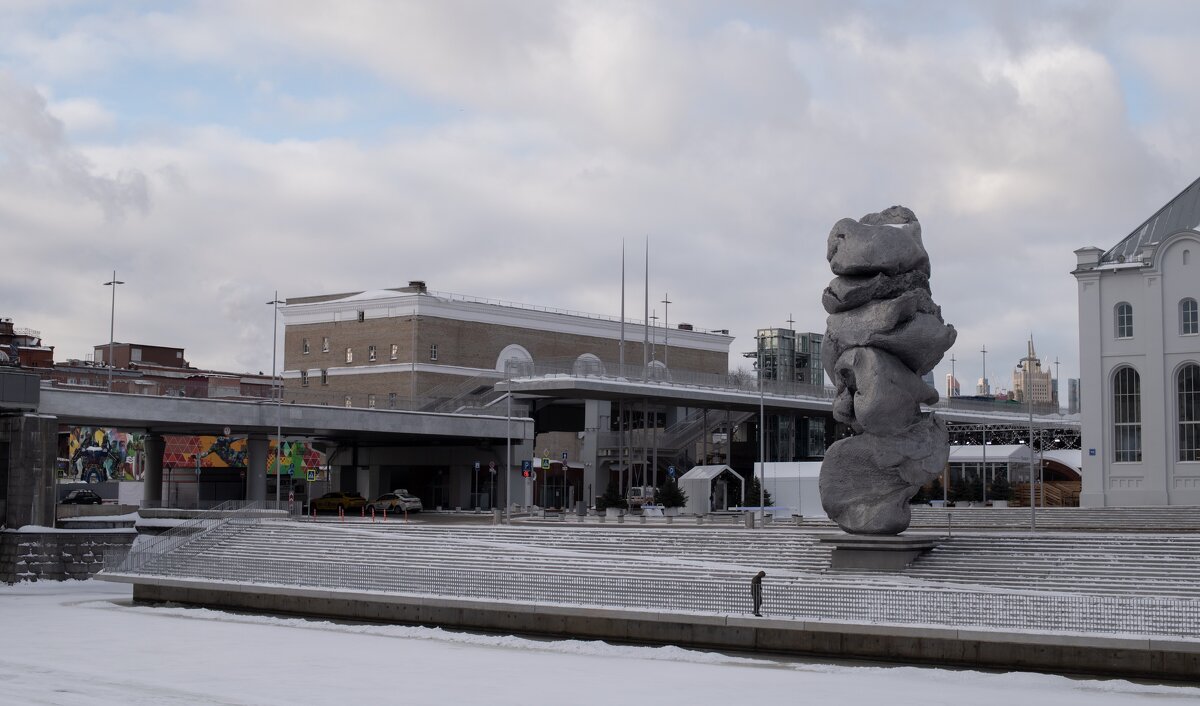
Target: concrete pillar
[
  {"x": 257, "y": 446},
  {"x": 152, "y": 478},
  {"x": 28, "y": 498}
]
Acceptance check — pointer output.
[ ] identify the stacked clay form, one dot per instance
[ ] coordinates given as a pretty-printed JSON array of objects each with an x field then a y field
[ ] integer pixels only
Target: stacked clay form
[{"x": 883, "y": 333}]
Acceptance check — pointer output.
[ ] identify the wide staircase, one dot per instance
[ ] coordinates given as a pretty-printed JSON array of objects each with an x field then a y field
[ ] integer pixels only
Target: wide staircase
[
  {"x": 1077, "y": 582},
  {"x": 1149, "y": 565},
  {"x": 1046, "y": 519}
]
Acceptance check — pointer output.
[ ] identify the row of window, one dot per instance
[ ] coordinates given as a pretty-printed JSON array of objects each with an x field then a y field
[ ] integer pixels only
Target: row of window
[
  {"x": 391, "y": 400},
  {"x": 1189, "y": 318},
  {"x": 1127, "y": 414},
  {"x": 372, "y": 351},
  {"x": 304, "y": 377}
]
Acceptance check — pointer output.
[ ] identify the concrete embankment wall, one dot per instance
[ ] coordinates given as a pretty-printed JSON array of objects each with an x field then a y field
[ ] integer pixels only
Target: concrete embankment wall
[
  {"x": 58, "y": 556},
  {"x": 943, "y": 646}
]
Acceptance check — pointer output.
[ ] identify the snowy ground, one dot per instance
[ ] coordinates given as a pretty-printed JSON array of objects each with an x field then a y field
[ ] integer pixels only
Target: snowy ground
[{"x": 82, "y": 642}]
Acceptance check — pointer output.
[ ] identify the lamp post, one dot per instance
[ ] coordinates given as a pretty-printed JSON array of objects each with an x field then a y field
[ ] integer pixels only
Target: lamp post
[
  {"x": 762, "y": 438},
  {"x": 278, "y": 392},
  {"x": 112, "y": 321},
  {"x": 1025, "y": 370}
]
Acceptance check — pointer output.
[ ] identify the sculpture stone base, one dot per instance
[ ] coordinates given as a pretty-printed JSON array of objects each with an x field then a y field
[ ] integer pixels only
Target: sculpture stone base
[{"x": 860, "y": 552}]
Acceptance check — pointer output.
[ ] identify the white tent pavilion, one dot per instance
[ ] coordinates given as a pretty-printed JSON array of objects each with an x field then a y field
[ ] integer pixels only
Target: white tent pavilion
[
  {"x": 794, "y": 487},
  {"x": 706, "y": 488}
]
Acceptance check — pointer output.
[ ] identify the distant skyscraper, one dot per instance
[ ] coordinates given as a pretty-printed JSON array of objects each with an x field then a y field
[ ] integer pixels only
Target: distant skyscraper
[
  {"x": 983, "y": 387},
  {"x": 1072, "y": 395},
  {"x": 951, "y": 385},
  {"x": 1030, "y": 373}
]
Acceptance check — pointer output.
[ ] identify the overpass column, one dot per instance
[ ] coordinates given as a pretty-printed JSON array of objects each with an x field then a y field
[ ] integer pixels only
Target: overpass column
[
  {"x": 152, "y": 477},
  {"x": 257, "y": 446}
]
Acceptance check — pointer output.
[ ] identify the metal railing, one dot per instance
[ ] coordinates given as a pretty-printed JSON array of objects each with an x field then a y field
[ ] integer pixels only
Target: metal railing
[
  {"x": 188, "y": 537},
  {"x": 808, "y": 598},
  {"x": 659, "y": 375}
]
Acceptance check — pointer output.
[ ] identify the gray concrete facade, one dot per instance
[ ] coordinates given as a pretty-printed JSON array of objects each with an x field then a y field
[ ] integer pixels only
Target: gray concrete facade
[{"x": 29, "y": 443}]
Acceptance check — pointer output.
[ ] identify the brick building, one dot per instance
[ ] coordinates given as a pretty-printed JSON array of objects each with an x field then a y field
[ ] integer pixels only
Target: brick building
[
  {"x": 408, "y": 347},
  {"x": 411, "y": 348}
]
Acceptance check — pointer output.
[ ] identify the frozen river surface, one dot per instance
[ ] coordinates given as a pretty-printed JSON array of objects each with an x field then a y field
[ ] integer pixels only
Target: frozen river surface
[{"x": 84, "y": 643}]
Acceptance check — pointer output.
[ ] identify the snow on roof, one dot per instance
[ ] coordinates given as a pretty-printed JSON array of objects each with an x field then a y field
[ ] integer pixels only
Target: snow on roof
[
  {"x": 974, "y": 453},
  {"x": 707, "y": 472},
  {"x": 371, "y": 294},
  {"x": 1180, "y": 213},
  {"x": 1067, "y": 457}
]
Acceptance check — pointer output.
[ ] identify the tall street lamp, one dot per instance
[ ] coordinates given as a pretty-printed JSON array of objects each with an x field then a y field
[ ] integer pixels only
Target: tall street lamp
[
  {"x": 762, "y": 438},
  {"x": 1026, "y": 369},
  {"x": 278, "y": 392},
  {"x": 112, "y": 321}
]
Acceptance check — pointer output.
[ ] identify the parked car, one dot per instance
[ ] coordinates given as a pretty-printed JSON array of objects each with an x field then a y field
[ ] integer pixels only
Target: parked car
[
  {"x": 409, "y": 501},
  {"x": 330, "y": 502},
  {"x": 82, "y": 496},
  {"x": 388, "y": 501}
]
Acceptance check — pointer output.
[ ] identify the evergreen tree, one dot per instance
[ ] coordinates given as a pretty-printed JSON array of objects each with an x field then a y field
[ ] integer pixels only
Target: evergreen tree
[
  {"x": 999, "y": 488},
  {"x": 751, "y": 499},
  {"x": 612, "y": 498},
  {"x": 669, "y": 494},
  {"x": 973, "y": 489},
  {"x": 936, "y": 492}
]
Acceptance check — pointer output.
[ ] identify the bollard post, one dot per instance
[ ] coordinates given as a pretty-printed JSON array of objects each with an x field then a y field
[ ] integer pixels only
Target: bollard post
[
  {"x": 385, "y": 514},
  {"x": 406, "y": 516},
  {"x": 341, "y": 513},
  {"x": 364, "y": 511},
  {"x": 372, "y": 514}
]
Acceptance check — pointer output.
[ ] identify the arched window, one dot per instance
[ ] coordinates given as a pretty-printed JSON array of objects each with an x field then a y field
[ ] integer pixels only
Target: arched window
[
  {"x": 1187, "y": 389},
  {"x": 1127, "y": 416},
  {"x": 587, "y": 364},
  {"x": 1189, "y": 321},
  {"x": 1186, "y": 256},
  {"x": 1124, "y": 320}
]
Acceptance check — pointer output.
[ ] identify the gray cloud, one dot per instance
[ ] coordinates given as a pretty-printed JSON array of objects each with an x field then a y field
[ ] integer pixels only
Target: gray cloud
[{"x": 733, "y": 137}]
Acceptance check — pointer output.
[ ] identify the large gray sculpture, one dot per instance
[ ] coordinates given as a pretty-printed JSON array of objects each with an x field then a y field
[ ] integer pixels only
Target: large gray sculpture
[{"x": 883, "y": 333}]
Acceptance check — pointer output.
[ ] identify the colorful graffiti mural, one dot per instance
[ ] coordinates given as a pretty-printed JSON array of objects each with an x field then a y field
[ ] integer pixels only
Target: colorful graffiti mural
[{"x": 95, "y": 454}]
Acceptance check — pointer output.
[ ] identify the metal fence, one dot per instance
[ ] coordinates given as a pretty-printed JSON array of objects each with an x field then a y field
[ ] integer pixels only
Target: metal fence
[
  {"x": 189, "y": 551},
  {"x": 222, "y": 520}
]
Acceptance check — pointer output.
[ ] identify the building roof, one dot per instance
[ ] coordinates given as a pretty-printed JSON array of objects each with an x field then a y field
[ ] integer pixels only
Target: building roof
[
  {"x": 707, "y": 472},
  {"x": 995, "y": 452},
  {"x": 1181, "y": 213}
]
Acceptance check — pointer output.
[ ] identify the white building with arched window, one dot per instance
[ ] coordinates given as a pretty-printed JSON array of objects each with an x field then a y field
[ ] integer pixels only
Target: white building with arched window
[{"x": 1139, "y": 351}]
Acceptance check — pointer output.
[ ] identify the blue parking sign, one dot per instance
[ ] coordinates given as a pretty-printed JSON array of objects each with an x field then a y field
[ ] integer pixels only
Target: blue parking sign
[{"x": 526, "y": 465}]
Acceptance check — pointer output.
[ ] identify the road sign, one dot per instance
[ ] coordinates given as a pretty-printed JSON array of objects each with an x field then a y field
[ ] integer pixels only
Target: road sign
[
  {"x": 564, "y": 456},
  {"x": 492, "y": 466},
  {"x": 477, "y": 465},
  {"x": 671, "y": 471},
  {"x": 545, "y": 464}
]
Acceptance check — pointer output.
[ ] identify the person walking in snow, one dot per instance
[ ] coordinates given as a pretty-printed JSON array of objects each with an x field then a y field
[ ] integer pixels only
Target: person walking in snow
[{"x": 756, "y": 592}]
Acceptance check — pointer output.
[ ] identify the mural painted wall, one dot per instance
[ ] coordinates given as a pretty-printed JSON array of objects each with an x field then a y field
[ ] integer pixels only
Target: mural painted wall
[{"x": 96, "y": 454}]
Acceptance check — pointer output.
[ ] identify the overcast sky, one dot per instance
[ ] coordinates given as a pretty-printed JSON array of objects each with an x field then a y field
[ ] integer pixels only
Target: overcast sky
[{"x": 214, "y": 152}]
